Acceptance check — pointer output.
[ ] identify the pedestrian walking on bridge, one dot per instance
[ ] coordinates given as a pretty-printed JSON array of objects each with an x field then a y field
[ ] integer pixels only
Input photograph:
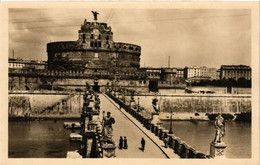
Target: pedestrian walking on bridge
[
  {"x": 125, "y": 143},
  {"x": 165, "y": 140},
  {"x": 120, "y": 104},
  {"x": 120, "y": 142},
  {"x": 143, "y": 144}
]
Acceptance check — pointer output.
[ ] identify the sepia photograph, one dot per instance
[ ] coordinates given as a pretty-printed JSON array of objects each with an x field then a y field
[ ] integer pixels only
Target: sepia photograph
[{"x": 148, "y": 80}]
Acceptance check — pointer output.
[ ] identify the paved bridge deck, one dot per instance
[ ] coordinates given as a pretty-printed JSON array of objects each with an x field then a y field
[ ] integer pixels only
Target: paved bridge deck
[{"x": 128, "y": 126}]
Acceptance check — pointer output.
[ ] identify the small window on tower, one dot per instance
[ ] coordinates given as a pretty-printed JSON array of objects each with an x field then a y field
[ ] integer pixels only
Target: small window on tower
[
  {"x": 107, "y": 38},
  {"x": 99, "y": 36},
  {"x": 83, "y": 38},
  {"x": 92, "y": 36}
]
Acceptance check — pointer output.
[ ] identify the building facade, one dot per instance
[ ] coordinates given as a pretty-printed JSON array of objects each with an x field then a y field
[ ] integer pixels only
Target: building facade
[
  {"x": 169, "y": 74},
  {"x": 200, "y": 73},
  {"x": 26, "y": 64},
  {"x": 190, "y": 72},
  {"x": 235, "y": 72},
  {"x": 94, "y": 48},
  {"x": 208, "y": 72},
  {"x": 180, "y": 73}
]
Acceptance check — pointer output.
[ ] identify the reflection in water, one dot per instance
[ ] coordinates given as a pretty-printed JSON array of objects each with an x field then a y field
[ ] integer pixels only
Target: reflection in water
[
  {"x": 200, "y": 134},
  {"x": 47, "y": 139}
]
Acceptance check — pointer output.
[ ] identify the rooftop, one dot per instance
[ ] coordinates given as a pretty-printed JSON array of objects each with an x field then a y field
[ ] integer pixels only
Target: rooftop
[{"x": 235, "y": 67}]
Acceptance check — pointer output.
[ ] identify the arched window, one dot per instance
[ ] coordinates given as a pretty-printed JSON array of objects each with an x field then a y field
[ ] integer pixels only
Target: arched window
[
  {"x": 99, "y": 36},
  {"x": 92, "y": 36},
  {"x": 107, "y": 37}
]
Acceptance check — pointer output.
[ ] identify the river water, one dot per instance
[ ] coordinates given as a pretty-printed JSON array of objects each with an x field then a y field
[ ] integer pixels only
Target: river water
[
  {"x": 49, "y": 139},
  {"x": 200, "y": 134},
  {"x": 39, "y": 139}
]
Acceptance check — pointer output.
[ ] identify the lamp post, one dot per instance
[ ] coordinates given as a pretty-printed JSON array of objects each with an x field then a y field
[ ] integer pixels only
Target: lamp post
[
  {"x": 170, "y": 131},
  {"x": 138, "y": 107}
]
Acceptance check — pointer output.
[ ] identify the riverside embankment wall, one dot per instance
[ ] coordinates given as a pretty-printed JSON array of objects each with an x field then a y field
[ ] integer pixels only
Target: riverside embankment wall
[
  {"x": 201, "y": 103},
  {"x": 44, "y": 104}
]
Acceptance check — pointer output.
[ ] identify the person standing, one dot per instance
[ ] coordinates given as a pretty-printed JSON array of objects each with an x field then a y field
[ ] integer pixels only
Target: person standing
[
  {"x": 143, "y": 144},
  {"x": 125, "y": 143},
  {"x": 120, "y": 104},
  {"x": 165, "y": 140},
  {"x": 120, "y": 142}
]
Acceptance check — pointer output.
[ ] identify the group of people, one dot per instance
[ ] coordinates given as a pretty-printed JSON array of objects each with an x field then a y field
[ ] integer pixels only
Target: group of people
[{"x": 123, "y": 143}]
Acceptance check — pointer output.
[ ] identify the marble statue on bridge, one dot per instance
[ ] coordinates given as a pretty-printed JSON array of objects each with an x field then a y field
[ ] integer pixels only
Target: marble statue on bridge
[
  {"x": 217, "y": 147},
  {"x": 132, "y": 96},
  {"x": 97, "y": 102},
  {"x": 155, "y": 104},
  {"x": 220, "y": 129},
  {"x": 107, "y": 127}
]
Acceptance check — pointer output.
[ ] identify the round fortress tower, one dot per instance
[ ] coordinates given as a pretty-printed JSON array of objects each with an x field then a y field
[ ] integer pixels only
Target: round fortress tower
[{"x": 94, "y": 48}]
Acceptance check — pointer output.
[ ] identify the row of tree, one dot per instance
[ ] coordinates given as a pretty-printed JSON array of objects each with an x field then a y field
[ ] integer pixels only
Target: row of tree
[{"x": 241, "y": 82}]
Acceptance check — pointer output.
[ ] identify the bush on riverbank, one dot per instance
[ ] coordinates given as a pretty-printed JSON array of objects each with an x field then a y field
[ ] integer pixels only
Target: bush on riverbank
[
  {"x": 244, "y": 117},
  {"x": 226, "y": 116}
]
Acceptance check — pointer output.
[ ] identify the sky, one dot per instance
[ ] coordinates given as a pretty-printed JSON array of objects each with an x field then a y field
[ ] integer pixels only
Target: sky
[{"x": 199, "y": 37}]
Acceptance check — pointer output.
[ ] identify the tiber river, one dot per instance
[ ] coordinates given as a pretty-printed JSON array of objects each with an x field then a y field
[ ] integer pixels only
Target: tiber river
[{"x": 49, "y": 139}]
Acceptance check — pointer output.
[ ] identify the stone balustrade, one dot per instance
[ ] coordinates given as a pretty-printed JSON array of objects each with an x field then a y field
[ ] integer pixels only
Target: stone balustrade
[{"x": 98, "y": 137}]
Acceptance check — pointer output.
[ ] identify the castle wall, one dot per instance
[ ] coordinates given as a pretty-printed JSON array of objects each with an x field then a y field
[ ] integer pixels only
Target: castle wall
[
  {"x": 65, "y": 83},
  {"x": 79, "y": 60},
  {"x": 94, "y": 48}
]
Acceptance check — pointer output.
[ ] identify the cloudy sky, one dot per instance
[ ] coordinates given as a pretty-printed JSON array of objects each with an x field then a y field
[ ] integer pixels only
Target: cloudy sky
[{"x": 190, "y": 37}]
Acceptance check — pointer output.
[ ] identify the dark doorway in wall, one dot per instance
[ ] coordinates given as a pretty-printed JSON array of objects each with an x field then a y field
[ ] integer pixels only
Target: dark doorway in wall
[
  {"x": 96, "y": 87},
  {"x": 153, "y": 86}
]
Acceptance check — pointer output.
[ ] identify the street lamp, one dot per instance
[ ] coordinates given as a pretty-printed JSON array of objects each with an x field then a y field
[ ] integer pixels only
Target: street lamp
[
  {"x": 138, "y": 107},
  {"x": 170, "y": 131}
]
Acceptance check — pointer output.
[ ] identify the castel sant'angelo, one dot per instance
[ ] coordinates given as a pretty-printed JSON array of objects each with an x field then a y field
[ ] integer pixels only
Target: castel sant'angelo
[
  {"x": 93, "y": 57},
  {"x": 94, "y": 48}
]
